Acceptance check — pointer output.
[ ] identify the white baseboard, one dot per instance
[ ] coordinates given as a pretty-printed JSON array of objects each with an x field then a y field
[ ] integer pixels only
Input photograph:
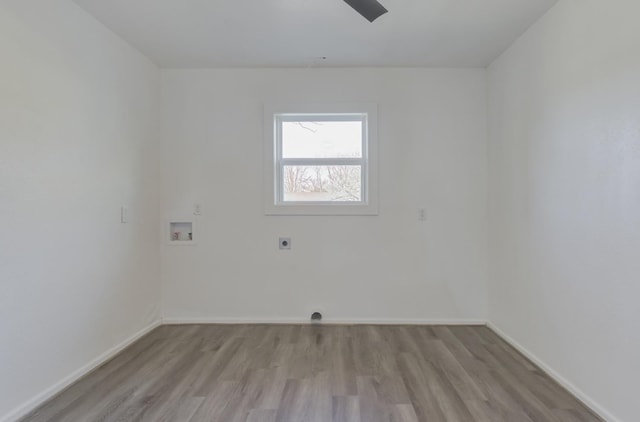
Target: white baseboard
[
  {"x": 345, "y": 321},
  {"x": 579, "y": 394},
  {"x": 32, "y": 404}
]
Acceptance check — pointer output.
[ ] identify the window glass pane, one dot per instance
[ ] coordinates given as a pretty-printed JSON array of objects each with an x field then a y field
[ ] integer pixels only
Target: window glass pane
[
  {"x": 322, "y": 183},
  {"x": 307, "y": 139}
]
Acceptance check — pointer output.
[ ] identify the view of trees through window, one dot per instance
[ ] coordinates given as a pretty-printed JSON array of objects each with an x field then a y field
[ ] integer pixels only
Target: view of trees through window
[
  {"x": 322, "y": 161},
  {"x": 322, "y": 183}
]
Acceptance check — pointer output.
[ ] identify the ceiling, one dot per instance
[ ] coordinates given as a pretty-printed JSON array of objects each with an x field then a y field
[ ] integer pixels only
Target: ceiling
[{"x": 298, "y": 33}]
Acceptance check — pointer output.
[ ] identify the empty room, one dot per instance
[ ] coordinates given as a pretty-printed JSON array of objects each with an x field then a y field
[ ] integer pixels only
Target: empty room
[{"x": 319, "y": 210}]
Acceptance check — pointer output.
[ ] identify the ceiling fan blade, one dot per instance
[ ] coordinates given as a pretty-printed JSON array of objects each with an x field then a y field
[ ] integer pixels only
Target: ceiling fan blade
[{"x": 370, "y": 9}]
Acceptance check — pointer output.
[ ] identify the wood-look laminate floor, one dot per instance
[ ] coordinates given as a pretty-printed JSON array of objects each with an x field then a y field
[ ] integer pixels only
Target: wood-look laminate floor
[{"x": 297, "y": 373}]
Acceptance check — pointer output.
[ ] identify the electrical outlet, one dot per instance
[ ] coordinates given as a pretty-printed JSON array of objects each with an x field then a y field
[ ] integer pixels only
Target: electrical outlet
[
  {"x": 124, "y": 214},
  {"x": 197, "y": 209},
  {"x": 422, "y": 214},
  {"x": 284, "y": 243}
]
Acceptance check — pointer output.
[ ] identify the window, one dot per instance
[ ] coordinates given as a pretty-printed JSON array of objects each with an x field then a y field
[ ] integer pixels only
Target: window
[{"x": 321, "y": 160}]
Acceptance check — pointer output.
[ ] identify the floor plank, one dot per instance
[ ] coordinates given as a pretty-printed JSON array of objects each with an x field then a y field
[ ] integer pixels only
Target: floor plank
[{"x": 294, "y": 373}]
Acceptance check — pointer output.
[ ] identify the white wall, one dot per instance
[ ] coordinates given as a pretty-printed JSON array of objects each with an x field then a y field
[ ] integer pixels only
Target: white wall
[
  {"x": 565, "y": 197},
  {"x": 77, "y": 139},
  {"x": 432, "y": 130}
]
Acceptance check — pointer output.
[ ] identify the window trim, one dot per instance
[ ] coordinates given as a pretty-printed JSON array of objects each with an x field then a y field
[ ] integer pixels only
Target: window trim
[{"x": 273, "y": 161}]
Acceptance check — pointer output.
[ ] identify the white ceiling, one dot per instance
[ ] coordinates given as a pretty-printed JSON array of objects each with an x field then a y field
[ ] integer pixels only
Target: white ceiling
[{"x": 265, "y": 33}]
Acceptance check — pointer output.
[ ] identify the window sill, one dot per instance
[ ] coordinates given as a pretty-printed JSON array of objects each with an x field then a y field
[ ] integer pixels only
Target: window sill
[{"x": 322, "y": 210}]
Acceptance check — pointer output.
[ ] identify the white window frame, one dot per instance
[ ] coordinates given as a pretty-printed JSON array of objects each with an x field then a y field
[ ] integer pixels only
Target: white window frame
[{"x": 274, "y": 115}]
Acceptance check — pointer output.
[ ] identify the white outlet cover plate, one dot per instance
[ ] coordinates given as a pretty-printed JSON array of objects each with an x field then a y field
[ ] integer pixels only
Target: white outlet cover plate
[{"x": 284, "y": 243}]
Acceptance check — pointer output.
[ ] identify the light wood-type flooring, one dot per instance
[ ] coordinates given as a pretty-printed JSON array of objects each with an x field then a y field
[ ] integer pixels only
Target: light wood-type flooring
[{"x": 305, "y": 373}]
